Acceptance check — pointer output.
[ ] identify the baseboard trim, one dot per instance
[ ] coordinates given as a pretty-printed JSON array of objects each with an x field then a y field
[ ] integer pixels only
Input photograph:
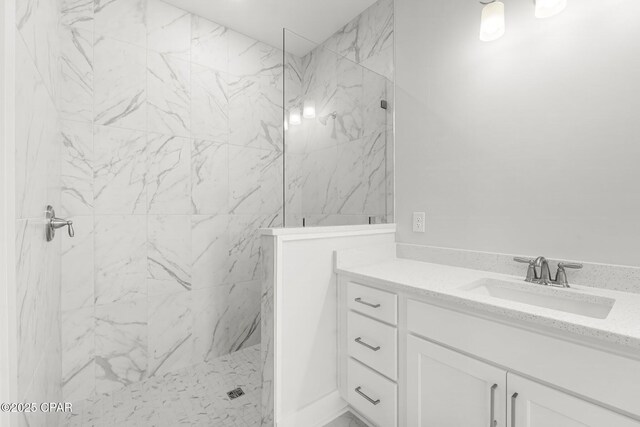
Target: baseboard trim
[{"x": 318, "y": 413}]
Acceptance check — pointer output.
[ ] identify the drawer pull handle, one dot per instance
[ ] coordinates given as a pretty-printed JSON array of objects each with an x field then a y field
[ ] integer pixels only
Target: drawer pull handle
[
  {"x": 492, "y": 418},
  {"x": 370, "y": 400},
  {"x": 513, "y": 409},
  {"x": 369, "y": 346},
  {"x": 367, "y": 303}
]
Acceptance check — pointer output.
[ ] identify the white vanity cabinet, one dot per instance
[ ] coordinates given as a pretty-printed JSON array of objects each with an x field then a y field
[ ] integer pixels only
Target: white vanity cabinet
[
  {"x": 369, "y": 349},
  {"x": 448, "y": 389},
  {"x": 407, "y": 360},
  {"x": 531, "y": 404}
]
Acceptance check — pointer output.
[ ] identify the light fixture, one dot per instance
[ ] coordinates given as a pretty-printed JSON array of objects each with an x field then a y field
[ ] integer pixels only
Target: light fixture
[
  {"x": 286, "y": 124},
  {"x": 549, "y": 8},
  {"x": 309, "y": 110},
  {"x": 492, "y": 22},
  {"x": 294, "y": 117}
]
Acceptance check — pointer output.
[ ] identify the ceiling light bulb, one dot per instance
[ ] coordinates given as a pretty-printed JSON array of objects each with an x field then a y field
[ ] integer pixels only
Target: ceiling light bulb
[
  {"x": 492, "y": 22},
  {"x": 309, "y": 110},
  {"x": 549, "y": 8},
  {"x": 294, "y": 117}
]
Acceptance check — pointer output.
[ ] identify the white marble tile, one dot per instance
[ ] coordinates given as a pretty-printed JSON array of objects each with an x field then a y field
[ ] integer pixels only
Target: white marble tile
[
  {"x": 169, "y": 100},
  {"x": 295, "y": 178},
  {"x": 168, "y": 254},
  {"x": 209, "y": 177},
  {"x": 75, "y": 98},
  {"x": 77, "y": 14},
  {"x": 226, "y": 319},
  {"x": 77, "y": 264},
  {"x": 345, "y": 41},
  {"x": 120, "y": 92},
  {"x": 255, "y": 111},
  {"x": 77, "y": 168},
  {"x": 209, "y": 249},
  {"x": 267, "y": 338},
  {"x": 293, "y": 74},
  {"x": 209, "y": 104},
  {"x": 195, "y": 395},
  {"x": 170, "y": 332},
  {"x": 375, "y": 174},
  {"x": 37, "y": 141},
  {"x": 374, "y": 91},
  {"x": 168, "y": 29},
  {"x": 124, "y": 20},
  {"x": 121, "y": 344},
  {"x": 38, "y": 297},
  {"x": 349, "y": 177},
  {"x": 319, "y": 191},
  {"x": 249, "y": 57},
  {"x": 209, "y": 44},
  {"x": 120, "y": 258},
  {"x": 78, "y": 354},
  {"x": 243, "y": 260},
  {"x": 348, "y": 101},
  {"x": 382, "y": 63},
  {"x": 375, "y": 33},
  {"x": 120, "y": 171},
  {"x": 168, "y": 174},
  {"x": 45, "y": 386},
  {"x": 255, "y": 181},
  {"x": 37, "y": 24}
]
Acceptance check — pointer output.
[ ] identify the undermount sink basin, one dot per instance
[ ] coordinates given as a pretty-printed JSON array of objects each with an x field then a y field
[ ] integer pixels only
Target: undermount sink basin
[{"x": 566, "y": 300}]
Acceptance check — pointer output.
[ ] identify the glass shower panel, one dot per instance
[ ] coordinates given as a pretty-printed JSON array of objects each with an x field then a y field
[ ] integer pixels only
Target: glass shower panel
[{"x": 338, "y": 138}]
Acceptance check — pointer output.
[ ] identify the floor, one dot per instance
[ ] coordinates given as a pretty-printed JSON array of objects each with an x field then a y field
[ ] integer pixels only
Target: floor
[
  {"x": 346, "y": 420},
  {"x": 192, "y": 397}
]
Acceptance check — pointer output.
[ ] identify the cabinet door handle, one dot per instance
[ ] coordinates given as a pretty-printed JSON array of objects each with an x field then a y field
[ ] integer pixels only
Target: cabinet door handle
[
  {"x": 370, "y": 400},
  {"x": 369, "y": 346},
  {"x": 492, "y": 418},
  {"x": 513, "y": 409},
  {"x": 367, "y": 303}
]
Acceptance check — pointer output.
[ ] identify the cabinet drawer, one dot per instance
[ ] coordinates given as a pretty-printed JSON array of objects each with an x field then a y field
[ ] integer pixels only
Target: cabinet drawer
[
  {"x": 371, "y": 394},
  {"x": 373, "y": 343},
  {"x": 373, "y": 302}
]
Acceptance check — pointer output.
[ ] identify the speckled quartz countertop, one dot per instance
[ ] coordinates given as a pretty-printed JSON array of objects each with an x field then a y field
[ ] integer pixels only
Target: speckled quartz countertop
[{"x": 446, "y": 285}]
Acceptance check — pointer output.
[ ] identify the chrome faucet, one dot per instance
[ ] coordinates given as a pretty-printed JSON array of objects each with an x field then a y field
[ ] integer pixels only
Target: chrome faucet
[{"x": 539, "y": 273}]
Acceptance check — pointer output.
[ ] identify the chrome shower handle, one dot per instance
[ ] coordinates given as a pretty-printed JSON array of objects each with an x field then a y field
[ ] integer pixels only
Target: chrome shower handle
[
  {"x": 52, "y": 223},
  {"x": 59, "y": 223}
]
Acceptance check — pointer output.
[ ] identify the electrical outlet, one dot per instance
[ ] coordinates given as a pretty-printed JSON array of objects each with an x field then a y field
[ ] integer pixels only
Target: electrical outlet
[{"x": 418, "y": 222}]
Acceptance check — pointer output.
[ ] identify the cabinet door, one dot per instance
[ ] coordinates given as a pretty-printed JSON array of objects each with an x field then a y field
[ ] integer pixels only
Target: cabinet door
[
  {"x": 531, "y": 404},
  {"x": 448, "y": 389}
]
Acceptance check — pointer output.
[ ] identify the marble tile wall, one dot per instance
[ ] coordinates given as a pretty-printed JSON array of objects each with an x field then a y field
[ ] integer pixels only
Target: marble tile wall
[
  {"x": 171, "y": 159},
  {"x": 38, "y": 183},
  {"x": 339, "y": 166}
]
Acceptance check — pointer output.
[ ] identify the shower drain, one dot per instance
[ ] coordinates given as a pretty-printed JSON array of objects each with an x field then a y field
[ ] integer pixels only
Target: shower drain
[{"x": 234, "y": 394}]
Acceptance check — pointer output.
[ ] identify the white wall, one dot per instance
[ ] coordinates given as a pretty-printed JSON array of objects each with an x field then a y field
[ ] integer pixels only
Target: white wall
[{"x": 528, "y": 144}]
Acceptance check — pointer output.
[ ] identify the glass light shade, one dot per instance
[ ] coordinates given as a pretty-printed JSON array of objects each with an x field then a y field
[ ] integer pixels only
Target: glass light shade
[
  {"x": 492, "y": 22},
  {"x": 294, "y": 117},
  {"x": 309, "y": 110},
  {"x": 549, "y": 8}
]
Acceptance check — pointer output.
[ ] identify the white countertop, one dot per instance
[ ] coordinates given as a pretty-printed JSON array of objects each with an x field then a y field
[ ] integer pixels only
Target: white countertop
[{"x": 444, "y": 284}]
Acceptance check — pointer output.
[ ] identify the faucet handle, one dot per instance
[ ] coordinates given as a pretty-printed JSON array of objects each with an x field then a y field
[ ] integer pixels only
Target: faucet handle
[
  {"x": 561, "y": 275},
  {"x": 531, "y": 271},
  {"x": 573, "y": 265}
]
